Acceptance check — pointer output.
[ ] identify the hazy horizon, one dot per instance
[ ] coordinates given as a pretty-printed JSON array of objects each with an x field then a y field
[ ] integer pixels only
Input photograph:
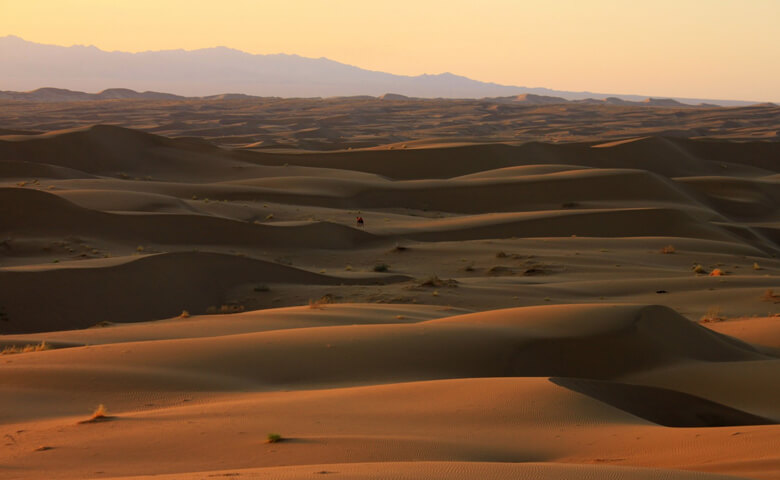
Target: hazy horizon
[
  {"x": 668, "y": 49},
  {"x": 97, "y": 70}
]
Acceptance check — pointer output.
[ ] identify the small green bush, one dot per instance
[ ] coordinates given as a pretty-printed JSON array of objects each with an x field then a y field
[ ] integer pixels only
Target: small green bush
[{"x": 381, "y": 267}]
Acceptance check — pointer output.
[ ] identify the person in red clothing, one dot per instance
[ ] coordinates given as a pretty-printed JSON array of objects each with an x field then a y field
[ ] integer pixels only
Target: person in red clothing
[{"x": 359, "y": 221}]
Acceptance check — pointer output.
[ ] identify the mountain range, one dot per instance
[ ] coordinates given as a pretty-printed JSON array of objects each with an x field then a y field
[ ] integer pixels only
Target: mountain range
[{"x": 210, "y": 71}]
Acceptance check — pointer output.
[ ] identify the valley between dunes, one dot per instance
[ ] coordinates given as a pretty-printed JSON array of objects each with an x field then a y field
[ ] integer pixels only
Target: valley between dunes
[{"x": 598, "y": 310}]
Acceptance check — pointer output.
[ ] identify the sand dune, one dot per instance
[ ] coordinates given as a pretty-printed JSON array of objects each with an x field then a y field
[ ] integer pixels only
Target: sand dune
[
  {"x": 30, "y": 212},
  {"x": 484, "y": 420},
  {"x": 602, "y": 307},
  {"x": 86, "y": 294},
  {"x": 537, "y": 341},
  {"x": 588, "y": 223},
  {"x": 365, "y": 122},
  {"x": 95, "y": 150}
]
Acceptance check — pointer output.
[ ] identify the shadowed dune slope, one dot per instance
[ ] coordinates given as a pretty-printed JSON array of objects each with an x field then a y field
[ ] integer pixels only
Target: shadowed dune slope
[
  {"x": 596, "y": 223},
  {"x": 104, "y": 149},
  {"x": 107, "y": 150},
  {"x": 126, "y": 201},
  {"x": 662, "y": 406},
  {"x": 11, "y": 169},
  {"x": 143, "y": 288},
  {"x": 529, "y": 192},
  {"x": 29, "y": 212},
  {"x": 746, "y": 199},
  {"x": 532, "y": 192}
]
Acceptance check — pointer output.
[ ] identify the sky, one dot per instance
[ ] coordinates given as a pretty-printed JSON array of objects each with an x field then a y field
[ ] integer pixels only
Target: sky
[{"x": 720, "y": 49}]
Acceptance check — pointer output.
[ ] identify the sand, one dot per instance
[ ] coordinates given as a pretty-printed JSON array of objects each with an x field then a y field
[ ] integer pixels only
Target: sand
[{"x": 602, "y": 308}]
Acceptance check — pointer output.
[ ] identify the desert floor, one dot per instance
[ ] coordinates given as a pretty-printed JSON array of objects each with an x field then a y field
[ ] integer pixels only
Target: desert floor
[{"x": 598, "y": 309}]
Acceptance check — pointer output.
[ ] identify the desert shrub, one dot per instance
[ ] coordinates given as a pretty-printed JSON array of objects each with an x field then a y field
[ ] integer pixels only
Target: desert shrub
[
  {"x": 231, "y": 308},
  {"x": 11, "y": 349},
  {"x": 224, "y": 309},
  {"x": 668, "y": 249},
  {"x": 500, "y": 270},
  {"x": 698, "y": 269},
  {"x": 717, "y": 272},
  {"x": 322, "y": 301},
  {"x": 381, "y": 267},
  {"x": 769, "y": 296},
  {"x": 435, "y": 281},
  {"x": 713, "y": 314},
  {"x": 99, "y": 415},
  {"x": 100, "y": 412},
  {"x": 274, "y": 438}
]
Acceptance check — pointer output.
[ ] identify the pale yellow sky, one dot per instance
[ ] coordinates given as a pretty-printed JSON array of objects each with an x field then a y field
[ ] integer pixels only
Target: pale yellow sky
[{"x": 720, "y": 49}]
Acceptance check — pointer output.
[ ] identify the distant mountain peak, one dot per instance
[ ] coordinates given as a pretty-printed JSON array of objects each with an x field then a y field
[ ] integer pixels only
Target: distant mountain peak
[{"x": 211, "y": 71}]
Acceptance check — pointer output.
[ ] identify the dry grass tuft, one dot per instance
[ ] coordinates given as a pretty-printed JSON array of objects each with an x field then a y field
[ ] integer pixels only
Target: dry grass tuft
[
  {"x": 231, "y": 308},
  {"x": 184, "y": 314},
  {"x": 533, "y": 271},
  {"x": 99, "y": 415},
  {"x": 698, "y": 269},
  {"x": 100, "y": 412},
  {"x": 717, "y": 273},
  {"x": 713, "y": 315},
  {"x": 225, "y": 309},
  {"x": 500, "y": 270},
  {"x": 435, "y": 281},
  {"x": 11, "y": 349},
  {"x": 769, "y": 296},
  {"x": 668, "y": 249},
  {"x": 322, "y": 301}
]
